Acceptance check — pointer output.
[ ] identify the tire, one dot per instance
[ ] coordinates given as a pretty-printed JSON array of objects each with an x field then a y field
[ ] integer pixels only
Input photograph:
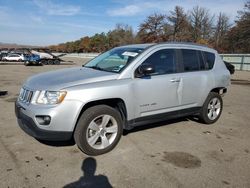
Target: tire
[
  {"x": 92, "y": 130},
  {"x": 211, "y": 109},
  {"x": 50, "y": 62},
  {"x": 26, "y": 63},
  {"x": 56, "y": 62},
  {"x": 44, "y": 62}
]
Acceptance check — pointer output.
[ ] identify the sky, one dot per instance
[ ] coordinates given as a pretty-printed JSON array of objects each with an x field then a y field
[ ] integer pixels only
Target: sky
[{"x": 47, "y": 22}]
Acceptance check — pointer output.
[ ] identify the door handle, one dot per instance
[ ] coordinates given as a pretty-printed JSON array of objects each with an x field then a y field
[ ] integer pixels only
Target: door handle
[{"x": 175, "y": 80}]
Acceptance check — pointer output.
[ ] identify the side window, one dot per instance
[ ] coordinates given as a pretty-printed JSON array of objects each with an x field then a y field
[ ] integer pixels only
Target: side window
[
  {"x": 190, "y": 59},
  {"x": 209, "y": 59},
  {"x": 163, "y": 61}
]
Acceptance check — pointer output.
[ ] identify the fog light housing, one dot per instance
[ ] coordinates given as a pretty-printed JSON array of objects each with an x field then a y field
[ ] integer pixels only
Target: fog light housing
[{"x": 43, "y": 120}]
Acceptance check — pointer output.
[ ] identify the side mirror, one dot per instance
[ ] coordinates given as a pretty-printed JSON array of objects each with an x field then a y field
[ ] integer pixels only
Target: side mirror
[{"x": 145, "y": 70}]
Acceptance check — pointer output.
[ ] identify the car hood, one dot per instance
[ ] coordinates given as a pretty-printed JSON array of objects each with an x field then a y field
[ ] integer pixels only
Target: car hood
[{"x": 60, "y": 79}]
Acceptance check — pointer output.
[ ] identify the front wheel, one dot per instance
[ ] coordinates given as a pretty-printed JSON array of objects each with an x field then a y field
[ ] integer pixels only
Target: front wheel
[
  {"x": 44, "y": 62},
  {"x": 98, "y": 130},
  {"x": 211, "y": 109},
  {"x": 26, "y": 63}
]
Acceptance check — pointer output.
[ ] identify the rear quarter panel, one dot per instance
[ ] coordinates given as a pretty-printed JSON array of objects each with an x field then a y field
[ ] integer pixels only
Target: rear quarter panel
[{"x": 220, "y": 73}]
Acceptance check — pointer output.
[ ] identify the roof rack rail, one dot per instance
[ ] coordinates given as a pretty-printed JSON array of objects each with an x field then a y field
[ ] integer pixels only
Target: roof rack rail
[{"x": 185, "y": 43}]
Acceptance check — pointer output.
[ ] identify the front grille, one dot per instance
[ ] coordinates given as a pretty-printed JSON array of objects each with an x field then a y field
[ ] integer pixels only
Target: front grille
[{"x": 25, "y": 95}]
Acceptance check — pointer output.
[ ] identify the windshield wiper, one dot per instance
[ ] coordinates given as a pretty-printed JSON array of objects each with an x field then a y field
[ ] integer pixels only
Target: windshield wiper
[
  {"x": 99, "y": 68},
  {"x": 94, "y": 67}
]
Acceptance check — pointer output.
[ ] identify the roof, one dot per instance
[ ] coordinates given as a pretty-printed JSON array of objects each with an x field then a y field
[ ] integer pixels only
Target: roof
[
  {"x": 138, "y": 45},
  {"x": 187, "y": 45},
  {"x": 171, "y": 44}
]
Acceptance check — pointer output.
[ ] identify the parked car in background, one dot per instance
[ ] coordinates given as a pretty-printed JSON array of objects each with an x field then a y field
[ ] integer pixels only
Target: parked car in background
[
  {"x": 38, "y": 56},
  {"x": 123, "y": 88},
  {"x": 32, "y": 59},
  {"x": 2, "y": 55},
  {"x": 14, "y": 57}
]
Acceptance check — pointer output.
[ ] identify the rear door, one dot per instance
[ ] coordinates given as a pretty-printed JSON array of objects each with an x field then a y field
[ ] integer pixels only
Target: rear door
[
  {"x": 10, "y": 57},
  {"x": 13, "y": 57},
  {"x": 194, "y": 77}
]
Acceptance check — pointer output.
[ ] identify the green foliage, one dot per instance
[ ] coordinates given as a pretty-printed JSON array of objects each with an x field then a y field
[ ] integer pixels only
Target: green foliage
[{"x": 121, "y": 35}]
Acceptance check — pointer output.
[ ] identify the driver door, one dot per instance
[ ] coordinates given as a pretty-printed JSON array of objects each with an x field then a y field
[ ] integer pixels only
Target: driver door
[{"x": 159, "y": 92}]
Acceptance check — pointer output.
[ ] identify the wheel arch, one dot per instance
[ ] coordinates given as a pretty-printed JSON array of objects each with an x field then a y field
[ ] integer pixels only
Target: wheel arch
[
  {"x": 116, "y": 103},
  {"x": 219, "y": 90}
]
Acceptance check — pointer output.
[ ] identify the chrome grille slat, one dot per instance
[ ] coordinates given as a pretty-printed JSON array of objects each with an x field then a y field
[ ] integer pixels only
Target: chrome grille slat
[
  {"x": 21, "y": 94},
  {"x": 25, "y": 95},
  {"x": 30, "y": 96}
]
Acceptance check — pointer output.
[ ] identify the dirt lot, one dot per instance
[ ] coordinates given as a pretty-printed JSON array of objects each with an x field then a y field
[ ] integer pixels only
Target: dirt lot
[{"x": 179, "y": 153}]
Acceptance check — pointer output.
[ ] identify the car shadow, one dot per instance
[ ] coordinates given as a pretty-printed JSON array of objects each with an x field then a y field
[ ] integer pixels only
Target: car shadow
[
  {"x": 70, "y": 142},
  {"x": 89, "y": 179},
  {"x": 159, "y": 124}
]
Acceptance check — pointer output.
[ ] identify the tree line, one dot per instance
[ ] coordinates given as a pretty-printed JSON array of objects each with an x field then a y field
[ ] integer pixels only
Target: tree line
[{"x": 197, "y": 25}]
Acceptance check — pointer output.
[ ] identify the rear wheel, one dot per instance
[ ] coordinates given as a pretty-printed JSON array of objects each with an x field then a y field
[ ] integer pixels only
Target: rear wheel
[
  {"x": 56, "y": 62},
  {"x": 211, "y": 109},
  {"x": 98, "y": 130}
]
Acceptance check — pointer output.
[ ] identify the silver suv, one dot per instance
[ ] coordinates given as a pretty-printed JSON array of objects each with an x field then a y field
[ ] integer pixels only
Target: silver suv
[{"x": 125, "y": 87}]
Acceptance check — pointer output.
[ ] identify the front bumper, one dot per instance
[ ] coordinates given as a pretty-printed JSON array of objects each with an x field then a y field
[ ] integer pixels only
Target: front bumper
[{"x": 28, "y": 125}]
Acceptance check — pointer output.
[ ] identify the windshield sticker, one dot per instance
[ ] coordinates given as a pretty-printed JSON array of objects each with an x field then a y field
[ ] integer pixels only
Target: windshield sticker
[
  {"x": 121, "y": 66},
  {"x": 132, "y": 54}
]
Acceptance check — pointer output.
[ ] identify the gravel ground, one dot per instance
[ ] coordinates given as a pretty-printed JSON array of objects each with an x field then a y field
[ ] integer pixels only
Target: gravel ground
[{"x": 177, "y": 153}]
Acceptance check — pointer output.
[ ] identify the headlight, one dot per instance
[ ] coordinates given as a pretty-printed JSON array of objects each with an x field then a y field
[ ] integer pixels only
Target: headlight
[{"x": 51, "y": 97}]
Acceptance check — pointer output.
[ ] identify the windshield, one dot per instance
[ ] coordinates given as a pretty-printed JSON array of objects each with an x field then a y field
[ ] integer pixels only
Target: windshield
[{"x": 114, "y": 60}]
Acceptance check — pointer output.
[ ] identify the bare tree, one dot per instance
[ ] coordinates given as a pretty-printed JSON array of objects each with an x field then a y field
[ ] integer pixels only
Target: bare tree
[
  {"x": 221, "y": 29},
  {"x": 201, "y": 22},
  {"x": 243, "y": 27},
  {"x": 152, "y": 29},
  {"x": 181, "y": 28},
  {"x": 195, "y": 26}
]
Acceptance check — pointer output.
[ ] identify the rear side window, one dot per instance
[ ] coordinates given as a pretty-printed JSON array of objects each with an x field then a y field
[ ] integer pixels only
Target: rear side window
[
  {"x": 190, "y": 59},
  {"x": 14, "y": 55},
  {"x": 209, "y": 59}
]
